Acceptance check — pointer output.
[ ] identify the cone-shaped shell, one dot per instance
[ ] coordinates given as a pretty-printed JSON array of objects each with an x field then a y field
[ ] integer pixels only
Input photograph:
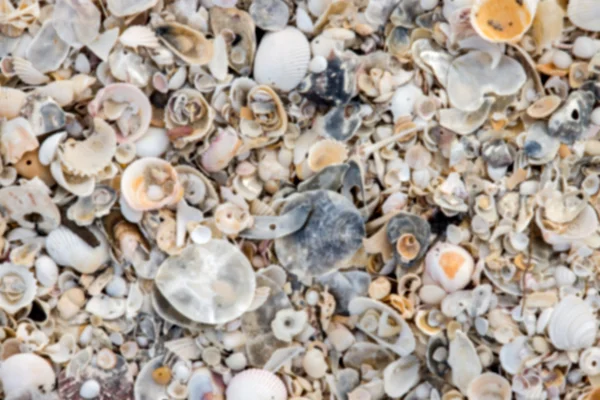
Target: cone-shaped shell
[
  {"x": 188, "y": 44},
  {"x": 150, "y": 183},
  {"x": 503, "y": 20}
]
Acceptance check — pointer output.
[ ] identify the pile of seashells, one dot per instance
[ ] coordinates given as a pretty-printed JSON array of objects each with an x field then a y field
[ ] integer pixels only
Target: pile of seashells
[{"x": 305, "y": 200}]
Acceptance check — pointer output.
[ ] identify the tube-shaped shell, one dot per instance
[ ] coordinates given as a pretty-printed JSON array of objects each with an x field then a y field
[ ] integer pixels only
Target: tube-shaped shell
[
  {"x": 188, "y": 44},
  {"x": 282, "y": 59},
  {"x": 503, "y": 20},
  {"x": 263, "y": 383},
  {"x": 150, "y": 183}
]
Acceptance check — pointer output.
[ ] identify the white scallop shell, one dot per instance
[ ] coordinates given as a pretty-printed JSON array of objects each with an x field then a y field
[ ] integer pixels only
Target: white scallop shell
[
  {"x": 139, "y": 35},
  {"x": 23, "y": 281},
  {"x": 585, "y": 14},
  {"x": 68, "y": 249},
  {"x": 26, "y": 72},
  {"x": 263, "y": 384},
  {"x": 573, "y": 324},
  {"x": 24, "y": 372},
  {"x": 282, "y": 59}
]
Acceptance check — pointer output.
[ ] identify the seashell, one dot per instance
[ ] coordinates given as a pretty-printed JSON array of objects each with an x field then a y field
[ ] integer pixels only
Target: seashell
[
  {"x": 334, "y": 86},
  {"x": 539, "y": 146},
  {"x": 270, "y": 15},
  {"x": 589, "y": 361},
  {"x": 502, "y": 21},
  {"x": 188, "y": 108},
  {"x": 577, "y": 315},
  {"x": 133, "y": 120},
  {"x": 450, "y": 266},
  {"x": 17, "y": 288},
  {"x": 340, "y": 123},
  {"x": 241, "y": 51},
  {"x": 11, "y": 102},
  {"x": 77, "y": 185},
  {"x": 30, "y": 198},
  {"x": 268, "y": 113},
  {"x": 256, "y": 381},
  {"x": 123, "y": 8},
  {"x": 325, "y": 153},
  {"x": 83, "y": 253},
  {"x": 223, "y": 148},
  {"x": 204, "y": 383},
  {"x": 489, "y": 386},
  {"x": 139, "y": 36},
  {"x": 150, "y": 183},
  {"x": 231, "y": 219},
  {"x": 77, "y": 23},
  {"x": 104, "y": 43},
  {"x": 230, "y": 286},
  {"x": 410, "y": 233},
  {"x": 16, "y": 138},
  {"x": 401, "y": 375},
  {"x": 404, "y": 100},
  {"x": 27, "y": 73},
  {"x": 484, "y": 78},
  {"x": 26, "y": 372},
  {"x": 154, "y": 143},
  {"x": 464, "y": 122},
  {"x": 92, "y": 155},
  {"x": 46, "y": 271},
  {"x": 464, "y": 361},
  {"x": 288, "y": 323},
  {"x": 107, "y": 308},
  {"x": 218, "y": 65},
  {"x": 333, "y": 216},
  {"x": 584, "y": 14},
  {"x": 188, "y": 44},
  {"x": 380, "y": 288},
  {"x": 63, "y": 350},
  {"x": 401, "y": 343},
  {"x": 282, "y": 59},
  {"x": 47, "y": 50},
  {"x": 544, "y": 107},
  {"x": 314, "y": 364},
  {"x": 572, "y": 120},
  {"x": 44, "y": 114}
]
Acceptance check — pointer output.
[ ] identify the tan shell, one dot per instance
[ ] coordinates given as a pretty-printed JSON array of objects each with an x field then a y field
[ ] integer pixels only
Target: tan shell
[
  {"x": 502, "y": 20},
  {"x": 267, "y": 114},
  {"x": 408, "y": 246},
  {"x": 325, "y": 153},
  {"x": 150, "y": 183},
  {"x": 240, "y": 23},
  {"x": 231, "y": 219},
  {"x": 489, "y": 386},
  {"x": 188, "y": 44},
  {"x": 544, "y": 107}
]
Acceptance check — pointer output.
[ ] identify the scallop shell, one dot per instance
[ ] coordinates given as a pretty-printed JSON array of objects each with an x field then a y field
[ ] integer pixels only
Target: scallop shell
[
  {"x": 92, "y": 155},
  {"x": 139, "y": 36},
  {"x": 218, "y": 289},
  {"x": 188, "y": 44},
  {"x": 325, "y": 153},
  {"x": 489, "y": 386},
  {"x": 27, "y": 73},
  {"x": 450, "y": 266},
  {"x": 70, "y": 250},
  {"x": 330, "y": 237},
  {"x": 264, "y": 384},
  {"x": 17, "y": 288},
  {"x": 16, "y": 138},
  {"x": 123, "y": 8},
  {"x": 137, "y": 120},
  {"x": 239, "y": 22},
  {"x": 282, "y": 59},
  {"x": 150, "y": 183},
  {"x": 503, "y": 20},
  {"x": 573, "y": 324},
  {"x": 26, "y": 372},
  {"x": 584, "y": 14}
]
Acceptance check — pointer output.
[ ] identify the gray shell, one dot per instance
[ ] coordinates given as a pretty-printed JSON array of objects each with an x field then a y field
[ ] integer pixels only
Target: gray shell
[
  {"x": 340, "y": 123},
  {"x": 572, "y": 120},
  {"x": 336, "y": 85},
  {"x": 331, "y": 236},
  {"x": 404, "y": 223},
  {"x": 344, "y": 286}
]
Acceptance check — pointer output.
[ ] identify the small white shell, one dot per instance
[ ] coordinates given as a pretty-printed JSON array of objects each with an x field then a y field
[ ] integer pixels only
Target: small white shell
[
  {"x": 154, "y": 143},
  {"x": 107, "y": 308},
  {"x": 24, "y": 372},
  {"x": 139, "y": 35},
  {"x": 489, "y": 386},
  {"x": 464, "y": 361},
  {"x": 46, "y": 271},
  {"x": 314, "y": 364},
  {"x": 16, "y": 138},
  {"x": 282, "y": 59},
  {"x": 585, "y": 14},
  {"x": 573, "y": 324},
  {"x": 263, "y": 384},
  {"x": 18, "y": 286},
  {"x": 68, "y": 249},
  {"x": 450, "y": 266}
]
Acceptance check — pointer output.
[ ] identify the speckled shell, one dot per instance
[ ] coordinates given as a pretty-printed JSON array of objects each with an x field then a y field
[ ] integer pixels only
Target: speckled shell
[
  {"x": 328, "y": 240},
  {"x": 282, "y": 59},
  {"x": 263, "y": 384},
  {"x": 404, "y": 223}
]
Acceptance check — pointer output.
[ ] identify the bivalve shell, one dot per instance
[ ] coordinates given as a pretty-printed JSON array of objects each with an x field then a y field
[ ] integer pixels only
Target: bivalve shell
[
  {"x": 503, "y": 20},
  {"x": 450, "y": 266},
  {"x": 584, "y": 14},
  {"x": 263, "y": 384},
  {"x": 71, "y": 250}
]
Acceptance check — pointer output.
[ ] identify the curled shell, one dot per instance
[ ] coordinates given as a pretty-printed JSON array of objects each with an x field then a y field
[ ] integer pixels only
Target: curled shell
[
  {"x": 188, "y": 44},
  {"x": 17, "y": 288},
  {"x": 188, "y": 116}
]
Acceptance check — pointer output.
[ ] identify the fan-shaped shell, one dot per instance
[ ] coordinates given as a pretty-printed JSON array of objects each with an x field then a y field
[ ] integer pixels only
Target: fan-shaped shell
[
  {"x": 139, "y": 36},
  {"x": 282, "y": 59},
  {"x": 264, "y": 384},
  {"x": 331, "y": 235},
  {"x": 17, "y": 288},
  {"x": 150, "y": 183},
  {"x": 584, "y": 14},
  {"x": 211, "y": 283},
  {"x": 503, "y": 20},
  {"x": 573, "y": 324},
  {"x": 188, "y": 44}
]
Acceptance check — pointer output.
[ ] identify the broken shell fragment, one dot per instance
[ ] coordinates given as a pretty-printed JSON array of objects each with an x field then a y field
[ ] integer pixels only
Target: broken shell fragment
[
  {"x": 572, "y": 120},
  {"x": 17, "y": 288},
  {"x": 188, "y": 44},
  {"x": 325, "y": 153}
]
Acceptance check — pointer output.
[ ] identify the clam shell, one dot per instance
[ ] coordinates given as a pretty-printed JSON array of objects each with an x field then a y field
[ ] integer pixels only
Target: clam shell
[
  {"x": 573, "y": 324},
  {"x": 25, "y": 372},
  {"x": 20, "y": 284},
  {"x": 450, "y": 266},
  {"x": 219, "y": 287},
  {"x": 464, "y": 361},
  {"x": 503, "y": 20},
  {"x": 282, "y": 59},
  {"x": 188, "y": 44},
  {"x": 265, "y": 385},
  {"x": 584, "y": 14},
  {"x": 489, "y": 386},
  {"x": 70, "y": 250},
  {"x": 325, "y": 153}
]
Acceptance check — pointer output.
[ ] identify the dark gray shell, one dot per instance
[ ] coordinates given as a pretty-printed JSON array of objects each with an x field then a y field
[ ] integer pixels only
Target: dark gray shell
[
  {"x": 331, "y": 236},
  {"x": 344, "y": 286},
  {"x": 404, "y": 223},
  {"x": 406, "y": 13},
  {"x": 438, "y": 367},
  {"x": 261, "y": 343},
  {"x": 336, "y": 85},
  {"x": 572, "y": 120},
  {"x": 341, "y": 123},
  {"x": 115, "y": 384}
]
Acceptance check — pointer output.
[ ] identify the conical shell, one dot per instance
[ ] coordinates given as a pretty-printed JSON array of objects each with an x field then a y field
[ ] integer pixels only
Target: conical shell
[{"x": 282, "y": 59}]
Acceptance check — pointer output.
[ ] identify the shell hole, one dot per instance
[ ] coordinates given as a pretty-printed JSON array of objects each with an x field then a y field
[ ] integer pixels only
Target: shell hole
[
  {"x": 575, "y": 115},
  {"x": 28, "y": 162},
  {"x": 272, "y": 227}
]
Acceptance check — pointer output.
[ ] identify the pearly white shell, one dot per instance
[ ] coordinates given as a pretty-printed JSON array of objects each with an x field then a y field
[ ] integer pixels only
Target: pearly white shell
[
  {"x": 573, "y": 324},
  {"x": 450, "y": 266},
  {"x": 26, "y": 371},
  {"x": 46, "y": 271},
  {"x": 401, "y": 375},
  {"x": 263, "y": 384},
  {"x": 585, "y": 14},
  {"x": 282, "y": 59},
  {"x": 68, "y": 249}
]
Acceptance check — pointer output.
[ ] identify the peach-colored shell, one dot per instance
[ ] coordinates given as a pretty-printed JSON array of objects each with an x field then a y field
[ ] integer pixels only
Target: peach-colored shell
[{"x": 449, "y": 266}]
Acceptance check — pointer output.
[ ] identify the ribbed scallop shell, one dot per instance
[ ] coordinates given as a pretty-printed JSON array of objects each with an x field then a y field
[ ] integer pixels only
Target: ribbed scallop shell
[
  {"x": 282, "y": 59},
  {"x": 585, "y": 14},
  {"x": 138, "y": 35},
  {"x": 264, "y": 385},
  {"x": 70, "y": 250},
  {"x": 573, "y": 324},
  {"x": 27, "y": 73}
]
